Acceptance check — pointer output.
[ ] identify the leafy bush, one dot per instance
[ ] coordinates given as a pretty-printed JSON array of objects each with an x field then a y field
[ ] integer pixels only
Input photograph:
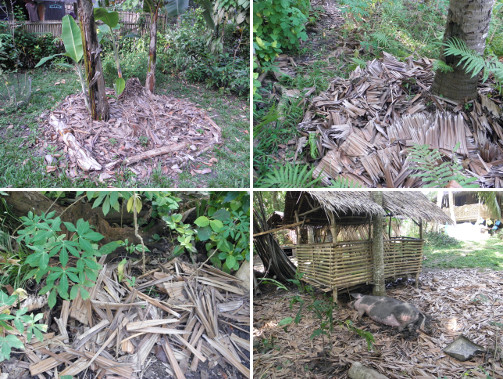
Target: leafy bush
[
  {"x": 184, "y": 50},
  {"x": 278, "y": 26},
  {"x": 26, "y": 49},
  {"x": 224, "y": 227},
  {"x": 40, "y": 234},
  {"x": 437, "y": 239}
]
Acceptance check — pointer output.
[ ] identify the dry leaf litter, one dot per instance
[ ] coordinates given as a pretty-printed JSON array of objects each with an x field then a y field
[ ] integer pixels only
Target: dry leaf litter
[
  {"x": 365, "y": 125},
  {"x": 144, "y": 131},
  {"x": 196, "y": 322},
  {"x": 465, "y": 302}
]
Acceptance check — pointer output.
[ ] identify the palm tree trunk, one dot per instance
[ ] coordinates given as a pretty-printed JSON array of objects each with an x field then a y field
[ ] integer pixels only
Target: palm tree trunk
[
  {"x": 467, "y": 20},
  {"x": 152, "y": 54},
  {"x": 94, "y": 72}
]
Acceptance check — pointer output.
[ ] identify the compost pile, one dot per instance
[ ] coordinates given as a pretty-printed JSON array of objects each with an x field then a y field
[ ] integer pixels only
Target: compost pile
[
  {"x": 177, "y": 320},
  {"x": 366, "y": 124},
  {"x": 465, "y": 302},
  {"x": 145, "y": 131}
]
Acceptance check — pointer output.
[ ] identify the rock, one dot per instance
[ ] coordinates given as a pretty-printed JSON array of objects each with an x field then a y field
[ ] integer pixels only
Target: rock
[
  {"x": 244, "y": 274},
  {"x": 463, "y": 349},
  {"x": 358, "y": 371}
]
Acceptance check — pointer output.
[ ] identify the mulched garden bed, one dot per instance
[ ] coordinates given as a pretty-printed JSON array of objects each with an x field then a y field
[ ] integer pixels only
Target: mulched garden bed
[{"x": 145, "y": 131}]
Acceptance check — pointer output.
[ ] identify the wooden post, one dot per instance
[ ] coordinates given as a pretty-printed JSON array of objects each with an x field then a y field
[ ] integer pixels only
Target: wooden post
[
  {"x": 378, "y": 248},
  {"x": 310, "y": 235},
  {"x": 297, "y": 229}
]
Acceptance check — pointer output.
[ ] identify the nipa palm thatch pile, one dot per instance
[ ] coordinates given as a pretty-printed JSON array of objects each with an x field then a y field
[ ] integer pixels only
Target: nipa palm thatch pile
[
  {"x": 145, "y": 131},
  {"x": 462, "y": 302},
  {"x": 366, "y": 124},
  {"x": 183, "y": 318}
]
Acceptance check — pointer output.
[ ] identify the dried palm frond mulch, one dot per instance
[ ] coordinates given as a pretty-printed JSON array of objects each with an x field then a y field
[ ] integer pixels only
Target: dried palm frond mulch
[
  {"x": 177, "y": 321},
  {"x": 465, "y": 302},
  {"x": 144, "y": 131},
  {"x": 366, "y": 124}
]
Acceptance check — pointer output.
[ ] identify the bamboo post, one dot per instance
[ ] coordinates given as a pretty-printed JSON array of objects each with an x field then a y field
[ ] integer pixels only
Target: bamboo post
[
  {"x": 378, "y": 248},
  {"x": 297, "y": 229}
]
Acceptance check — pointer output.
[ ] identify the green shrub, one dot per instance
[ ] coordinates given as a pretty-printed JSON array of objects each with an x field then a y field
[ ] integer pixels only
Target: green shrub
[
  {"x": 26, "y": 50},
  {"x": 76, "y": 267},
  {"x": 279, "y": 25},
  {"x": 438, "y": 239}
]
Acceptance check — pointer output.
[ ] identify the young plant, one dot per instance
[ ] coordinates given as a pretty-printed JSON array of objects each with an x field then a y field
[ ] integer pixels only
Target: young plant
[
  {"x": 224, "y": 227},
  {"x": 72, "y": 40},
  {"x": 43, "y": 234},
  {"x": 434, "y": 172},
  {"x": 111, "y": 23},
  {"x": 20, "y": 320}
]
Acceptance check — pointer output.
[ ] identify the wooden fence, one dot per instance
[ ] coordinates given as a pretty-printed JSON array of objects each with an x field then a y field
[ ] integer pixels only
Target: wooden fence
[
  {"x": 129, "y": 22},
  {"x": 349, "y": 263}
]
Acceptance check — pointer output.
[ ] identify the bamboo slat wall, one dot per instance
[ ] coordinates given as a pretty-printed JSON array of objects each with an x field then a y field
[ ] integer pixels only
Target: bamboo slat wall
[
  {"x": 345, "y": 264},
  {"x": 129, "y": 21}
]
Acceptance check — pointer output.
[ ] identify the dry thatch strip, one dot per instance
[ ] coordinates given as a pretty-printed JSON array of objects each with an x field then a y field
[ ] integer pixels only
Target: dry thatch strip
[
  {"x": 366, "y": 123},
  {"x": 144, "y": 130},
  {"x": 464, "y": 301},
  {"x": 117, "y": 330}
]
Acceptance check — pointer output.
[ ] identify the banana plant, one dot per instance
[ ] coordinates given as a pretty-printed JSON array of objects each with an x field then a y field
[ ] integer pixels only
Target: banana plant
[
  {"x": 111, "y": 23},
  {"x": 153, "y": 7},
  {"x": 72, "y": 40}
]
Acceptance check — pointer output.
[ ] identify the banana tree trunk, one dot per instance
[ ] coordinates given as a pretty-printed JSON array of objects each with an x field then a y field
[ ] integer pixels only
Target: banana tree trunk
[
  {"x": 152, "y": 54},
  {"x": 467, "y": 20},
  {"x": 94, "y": 72}
]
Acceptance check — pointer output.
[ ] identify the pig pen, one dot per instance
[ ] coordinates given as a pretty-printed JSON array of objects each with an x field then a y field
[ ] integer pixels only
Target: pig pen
[
  {"x": 465, "y": 302},
  {"x": 334, "y": 245}
]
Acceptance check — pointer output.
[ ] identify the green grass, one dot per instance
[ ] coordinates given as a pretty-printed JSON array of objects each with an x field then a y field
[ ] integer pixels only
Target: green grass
[
  {"x": 486, "y": 254},
  {"x": 22, "y": 153}
]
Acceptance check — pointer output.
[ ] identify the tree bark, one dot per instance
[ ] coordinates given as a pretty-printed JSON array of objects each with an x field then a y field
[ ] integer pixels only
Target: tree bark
[
  {"x": 467, "y": 20},
  {"x": 152, "y": 54},
  {"x": 94, "y": 71},
  {"x": 275, "y": 261},
  {"x": 378, "y": 248}
]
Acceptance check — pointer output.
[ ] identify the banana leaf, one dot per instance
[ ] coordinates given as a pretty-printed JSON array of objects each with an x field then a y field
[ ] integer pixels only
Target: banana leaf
[
  {"x": 109, "y": 18},
  {"x": 176, "y": 7},
  {"x": 72, "y": 38}
]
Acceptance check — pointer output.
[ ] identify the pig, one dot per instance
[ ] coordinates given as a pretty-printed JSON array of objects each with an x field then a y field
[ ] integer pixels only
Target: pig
[{"x": 392, "y": 312}]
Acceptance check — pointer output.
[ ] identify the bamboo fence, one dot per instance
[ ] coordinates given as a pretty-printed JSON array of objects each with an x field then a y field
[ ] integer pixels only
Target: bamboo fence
[
  {"x": 129, "y": 22},
  {"x": 349, "y": 263}
]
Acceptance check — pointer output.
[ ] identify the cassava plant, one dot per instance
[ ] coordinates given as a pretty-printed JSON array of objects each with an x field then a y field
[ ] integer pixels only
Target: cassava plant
[
  {"x": 68, "y": 265},
  {"x": 23, "y": 322}
]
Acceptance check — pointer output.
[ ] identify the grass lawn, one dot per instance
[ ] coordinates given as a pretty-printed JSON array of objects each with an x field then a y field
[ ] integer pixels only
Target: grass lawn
[
  {"x": 22, "y": 155},
  {"x": 486, "y": 254}
]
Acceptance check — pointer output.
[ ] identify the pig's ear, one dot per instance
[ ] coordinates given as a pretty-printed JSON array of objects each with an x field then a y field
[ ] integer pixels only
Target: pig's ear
[{"x": 355, "y": 295}]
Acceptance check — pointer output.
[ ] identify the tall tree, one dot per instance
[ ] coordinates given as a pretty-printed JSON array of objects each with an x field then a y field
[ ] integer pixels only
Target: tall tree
[
  {"x": 468, "y": 21},
  {"x": 173, "y": 8},
  {"x": 378, "y": 248},
  {"x": 92, "y": 62}
]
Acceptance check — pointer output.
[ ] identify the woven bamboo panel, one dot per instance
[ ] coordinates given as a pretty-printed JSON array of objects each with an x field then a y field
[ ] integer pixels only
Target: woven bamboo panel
[
  {"x": 129, "y": 21},
  {"x": 349, "y": 263}
]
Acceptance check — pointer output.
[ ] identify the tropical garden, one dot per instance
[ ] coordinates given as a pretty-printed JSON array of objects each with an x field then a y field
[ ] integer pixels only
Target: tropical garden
[
  {"x": 162, "y": 103},
  {"x": 124, "y": 283},
  {"x": 366, "y": 93}
]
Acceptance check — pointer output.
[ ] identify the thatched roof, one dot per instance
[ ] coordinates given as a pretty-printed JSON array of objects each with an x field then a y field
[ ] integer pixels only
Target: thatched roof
[{"x": 357, "y": 206}]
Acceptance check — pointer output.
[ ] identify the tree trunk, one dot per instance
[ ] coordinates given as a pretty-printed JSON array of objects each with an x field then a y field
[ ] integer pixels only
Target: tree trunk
[
  {"x": 467, "y": 20},
  {"x": 275, "y": 261},
  {"x": 92, "y": 62},
  {"x": 378, "y": 249},
  {"x": 152, "y": 54}
]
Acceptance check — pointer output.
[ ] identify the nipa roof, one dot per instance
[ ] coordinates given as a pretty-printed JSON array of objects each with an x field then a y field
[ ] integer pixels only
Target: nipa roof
[{"x": 360, "y": 205}]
